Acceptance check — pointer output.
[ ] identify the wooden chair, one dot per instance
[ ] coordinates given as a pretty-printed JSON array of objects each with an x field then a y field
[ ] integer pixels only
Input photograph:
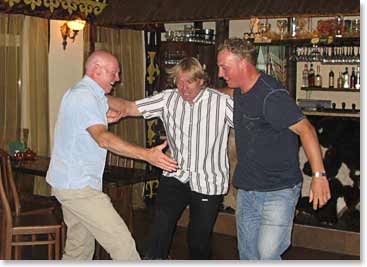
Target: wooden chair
[
  {"x": 27, "y": 230},
  {"x": 28, "y": 205},
  {"x": 116, "y": 160},
  {"x": 121, "y": 198}
]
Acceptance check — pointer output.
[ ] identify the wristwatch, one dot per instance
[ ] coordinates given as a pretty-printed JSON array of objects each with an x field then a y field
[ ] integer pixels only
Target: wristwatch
[{"x": 319, "y": 174}]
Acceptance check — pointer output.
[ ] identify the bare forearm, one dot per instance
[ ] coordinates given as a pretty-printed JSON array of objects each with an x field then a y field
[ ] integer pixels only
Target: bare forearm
[
  {"x": 116, "y": 145},
  {"x": 154, "y": 155},
  {"x": 128, "y": 108},
  {"x": 319, "y": 189},
  {"x": 312, "y": 149}
]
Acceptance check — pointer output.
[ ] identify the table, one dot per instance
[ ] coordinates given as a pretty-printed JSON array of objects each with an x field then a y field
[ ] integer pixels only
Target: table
[
  {"x": 112, "y": 174},
  {"x": 117, "y": 184}
]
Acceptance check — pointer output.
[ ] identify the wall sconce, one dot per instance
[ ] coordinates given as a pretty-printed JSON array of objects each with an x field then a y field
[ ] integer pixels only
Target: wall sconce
[{"x": 70, "y": 29}]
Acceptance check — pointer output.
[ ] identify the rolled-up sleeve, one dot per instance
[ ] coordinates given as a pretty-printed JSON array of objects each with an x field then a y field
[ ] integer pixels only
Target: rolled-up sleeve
[{"x": 151, "y": 107}]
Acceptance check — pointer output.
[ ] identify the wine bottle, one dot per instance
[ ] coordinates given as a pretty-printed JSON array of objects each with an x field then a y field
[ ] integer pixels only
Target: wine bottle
[
  {"x": 311, "y": 76},
  {"x": 340, "y": 81},
  {"x": 352, "y": 83},
  {"x": 305, "y": 76},
  {"x": 331, "y": 79},
  {"x": 358, "y": 79},
  {"x": 346, "y": 78},
  {"x": 318, "y": 78}
]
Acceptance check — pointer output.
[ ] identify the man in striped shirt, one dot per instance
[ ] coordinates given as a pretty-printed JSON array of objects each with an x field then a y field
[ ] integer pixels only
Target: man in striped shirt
[{"x": 197, "y": 121}]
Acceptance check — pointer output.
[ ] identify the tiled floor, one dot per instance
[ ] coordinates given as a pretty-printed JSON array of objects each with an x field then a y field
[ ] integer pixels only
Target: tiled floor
[{"x": 224, "y": 247}]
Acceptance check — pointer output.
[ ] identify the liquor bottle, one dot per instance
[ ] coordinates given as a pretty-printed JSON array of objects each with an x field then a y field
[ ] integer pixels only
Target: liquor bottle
[
  {"x": 318, "y": 78},
  {"x": 358, "y": 79},
  {"x": 269, "y": 68},
  {"x": 346, "y": 78},
  {"x": 311, "y": 76},
  {"x": 352, "y": 83},
  {"x": 340, "y": 81},
  {"x": 305, "y": 76},
  {"x": 331, "y": 79}
]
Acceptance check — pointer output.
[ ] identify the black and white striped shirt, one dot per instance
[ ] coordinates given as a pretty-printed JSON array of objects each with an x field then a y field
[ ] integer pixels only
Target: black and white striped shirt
[{"x": 197, "y": 134}]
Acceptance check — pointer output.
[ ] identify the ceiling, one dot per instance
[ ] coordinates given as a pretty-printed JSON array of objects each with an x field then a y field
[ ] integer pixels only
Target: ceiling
[{"x": 126, "y": 13}]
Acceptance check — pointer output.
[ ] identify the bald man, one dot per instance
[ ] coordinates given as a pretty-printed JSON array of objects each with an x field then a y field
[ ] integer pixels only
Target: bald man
[{"x": 81, "y": 141}]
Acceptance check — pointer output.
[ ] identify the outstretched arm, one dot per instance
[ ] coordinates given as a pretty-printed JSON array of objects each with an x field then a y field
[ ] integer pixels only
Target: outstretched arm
[
  {"x": 319, "y": 191},
  {"x": 123, "y": 106},
  {"x": 113, "y": 143}
]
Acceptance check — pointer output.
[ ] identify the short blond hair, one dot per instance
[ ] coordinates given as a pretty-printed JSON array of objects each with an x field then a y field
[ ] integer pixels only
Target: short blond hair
[
  {"x": 187, "y": 65},
  {"x": 242, "y": 48}
]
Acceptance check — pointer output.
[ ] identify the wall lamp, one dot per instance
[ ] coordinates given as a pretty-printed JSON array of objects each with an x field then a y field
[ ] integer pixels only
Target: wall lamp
[{"x": 70, "y": 29}]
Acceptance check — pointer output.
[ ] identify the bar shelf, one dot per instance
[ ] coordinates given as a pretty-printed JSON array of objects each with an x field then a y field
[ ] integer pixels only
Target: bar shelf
[{"x": 326, "y": 89}]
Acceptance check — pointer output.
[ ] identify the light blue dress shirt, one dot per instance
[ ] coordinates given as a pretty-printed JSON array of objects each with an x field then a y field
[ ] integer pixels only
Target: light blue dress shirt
[{"x": 76, "y": 160}]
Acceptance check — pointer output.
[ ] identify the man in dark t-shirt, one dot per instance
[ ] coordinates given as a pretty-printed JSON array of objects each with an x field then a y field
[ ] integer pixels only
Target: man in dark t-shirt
[
  {"x": 267, "y": 124},
  {"x": 267, "y": 149}
]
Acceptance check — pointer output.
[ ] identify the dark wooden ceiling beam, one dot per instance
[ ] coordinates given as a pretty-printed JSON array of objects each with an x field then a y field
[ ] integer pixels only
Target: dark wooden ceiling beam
[{"x": 124, "y": 13}]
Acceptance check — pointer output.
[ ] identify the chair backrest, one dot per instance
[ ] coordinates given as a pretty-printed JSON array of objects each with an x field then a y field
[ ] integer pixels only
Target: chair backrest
[
  {"x": 117, "y": 160},
  {"x": 9, "y": 182},
  {"x": 6, "y": 220}
]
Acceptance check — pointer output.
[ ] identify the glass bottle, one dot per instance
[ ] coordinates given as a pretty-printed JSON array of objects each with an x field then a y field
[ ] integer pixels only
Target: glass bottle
[
  {"x": 340, "y": 81},
  {"x": 331, "y": 79},
  {"x": 346, "y": 78},
  {"x": 318, "y": 78},
  {"x": 269, "y": 66},
  {"x": 352, "y": 83},
  {"x": 358, "y": 79},
  {"x": 305, "y": 76},
  {"x": 311, "y": 76}
]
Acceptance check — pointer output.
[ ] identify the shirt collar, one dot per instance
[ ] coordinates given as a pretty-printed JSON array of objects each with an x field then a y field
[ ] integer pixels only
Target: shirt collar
[
  {"x": 94, "y": 86},
  {"x": 199, "y": 96}
]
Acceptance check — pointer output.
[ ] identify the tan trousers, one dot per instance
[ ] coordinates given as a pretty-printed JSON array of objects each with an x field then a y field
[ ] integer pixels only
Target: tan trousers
[{"x": 89, "y": 215}]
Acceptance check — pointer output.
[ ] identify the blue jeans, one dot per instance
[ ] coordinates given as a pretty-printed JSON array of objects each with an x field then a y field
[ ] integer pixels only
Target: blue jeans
[{"x": 264, "y": 222}]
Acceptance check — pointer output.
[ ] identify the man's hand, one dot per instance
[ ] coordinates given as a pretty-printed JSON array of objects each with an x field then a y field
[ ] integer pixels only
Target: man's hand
[
  {"x": 114, "y": 115},
  {"x": 115, "y": 144},
  {"x": 319, "y": 192},
  {"x": 157, "y": 158}
]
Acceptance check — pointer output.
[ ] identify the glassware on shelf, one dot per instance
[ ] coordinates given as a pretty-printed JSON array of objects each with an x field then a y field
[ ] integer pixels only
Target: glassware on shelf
[
  {"x": 191, "y": 35},
  {"x": 264, "y": 28},
  {"x": 254, "y": 25},
  {"x": 292, "y": 27},
  {"x": 315, "y": 54},
  {"x": 339, "y": 26},
  {"x": 282, "y": 26},
  {"x": 302, "y": 31},
  {"x": 169, "y": 35},
  {"x": 356, "y": 27},
  {"x": 347, "y": 30},
  {"x": 329, "y": 55}
]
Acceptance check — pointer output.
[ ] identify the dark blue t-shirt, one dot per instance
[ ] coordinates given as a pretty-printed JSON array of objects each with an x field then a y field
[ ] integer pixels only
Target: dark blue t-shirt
[{"x": 267, "y": 150}]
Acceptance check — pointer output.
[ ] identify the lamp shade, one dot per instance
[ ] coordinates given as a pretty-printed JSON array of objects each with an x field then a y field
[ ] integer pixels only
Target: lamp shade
[{"x": 76, "y": 25}]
